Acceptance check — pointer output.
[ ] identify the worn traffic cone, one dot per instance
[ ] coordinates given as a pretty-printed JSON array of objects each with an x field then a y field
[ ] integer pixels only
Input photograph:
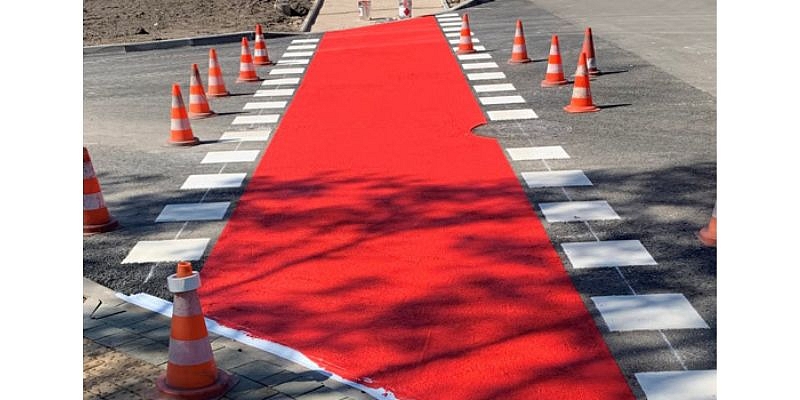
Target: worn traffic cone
[
  {"x": 588, "y": 48},
  {"x": 216, "y": 85},
  {"x": 260, "y": 53},
  {"x": 581, "y": 93},
  {"x": 555, "y": 67},
  {"x": 519, "y": 52},
  {"x": 96, "y": 218},
  {"x": 247, "y": 71},
  {"x": 465, "y": 42},
  {"x": 708, "y": 235},
  {"x": 191, "y": 372},
  {"x": 198, "y": 104},
  {"x": 180, "y": 130}
]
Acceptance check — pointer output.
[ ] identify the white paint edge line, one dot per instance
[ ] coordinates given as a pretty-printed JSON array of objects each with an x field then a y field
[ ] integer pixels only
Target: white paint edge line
[
  {"x": 507, "y": 115},
  {"x": 286, "y": 71},
  {"x": 214, "y": 211},
  {"x": 494, "y": 100},
  {"x": 256, "y": 119},
  {"x": 570, "y": 211},
  {"x": 274, "y": 92},
  {"x": 280, "y": 81},
  {"x": 608, "y": 253},
  {"x": 302, "y": 47},
  {"x": 451, "y": 19},
  {"x": 265, "y": 105},
  {"x": 563, "y": 178},
  {"x": 499, "y": 87},
  {"x": 679, "y": 385},
  {"x": 452, "y": 29},
  {"x": 305, "y": 41},
  {"x": 537, "y": 153},
  {"x": 213, "y": 181},
  {"x": 167, "y": 250},
  {"x": 447, "y": 15},
  {"x": 298, "y": 54},
  {"x": 477, "y": 48},
  {"x": 479, "y": 56},
  {"x": 449, "y": 23},
  {"x": 457, "y": 41},
  {"x": 485, "y": 76},
  {"x": 648, "y": 312},
  {"x": 245, "y": 136},
  {"x": 164, "y": 308},
  {"x": 479, "y": 65},
  {"x": 217, "y": 157},
  {"x": 298, "y": 61},
  {"x": 457, "y": 34}
]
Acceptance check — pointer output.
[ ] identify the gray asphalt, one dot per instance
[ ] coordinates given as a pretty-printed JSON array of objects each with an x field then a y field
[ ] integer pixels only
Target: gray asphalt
[{"x": 650, "y": 152}]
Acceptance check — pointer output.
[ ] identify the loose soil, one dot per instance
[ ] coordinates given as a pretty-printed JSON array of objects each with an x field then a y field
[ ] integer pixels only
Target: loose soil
[{"x": 132, "y": 21}]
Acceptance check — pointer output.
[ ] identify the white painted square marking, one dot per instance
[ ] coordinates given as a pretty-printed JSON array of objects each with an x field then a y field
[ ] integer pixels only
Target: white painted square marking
[
  {"x": 213, "y": 181},
  {"x": 273, "y": 92},
  {"x": 458, "y": 34},
  {"x": 457, "y": 41},
  {"x": 193, "y": 212},
  {"x": 679, "y": 385},
  {"x": 542, "y": 179},
  {"x": 506, "y": 115},
  {"x": 479, "y": 65},
  {"x": 448, "y": 23},
  {"x": 450, "y": 19},
  {"x": 492, "y": 100},
  {"x": 246, "y": 136},
  {"x": 297, "y": 61},
  {"x": 452, "y": 29},
  {"x": 255, "y": 119},
  {"x": 265, "y": 105},
  {"x": 477, "y": 48},
  {"x": 482, "y": 76},
  {"x": 447, "y": 15},
  {"x": 166, "y": 250},
  {"x": 298, "y": 54},
  {"x": 649, "y": 312},
  {"x": 305, "y": 41},
  {"x": 286, "y": 71},
  {"x": 280, "y": 81},
  {"x": 214, "y": 157},
  {"x": 537, "y": 153},
  {"x": 568, "y": 211},
  {"x": 302, "y": 47},
  {"x": 609, "y": 253},
  {"x": 479, "y": 56},
  {"x": 499, "y": 87}
]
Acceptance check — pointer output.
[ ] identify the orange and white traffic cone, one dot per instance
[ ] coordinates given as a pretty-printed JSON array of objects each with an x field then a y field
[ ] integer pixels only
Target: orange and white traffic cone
[
  {"x": 180, "y": 130},
  {"x": 708, "y": 235},
  {"x": 260, "y": 53},
  {"x": 96, "y": 218},
  {"x": 465, "y": 42},
  {"x": 519, "y": 52},
  {"x": 247, "y": 71},
  {"x": 555, "y": 67},
  {"x": 581, "y": 93},
  {"x": 198, "y": 104},
  {"x": 216, "y": 85},
  {"x": 191, "y": 372},
  {"x": 588, "y": 48}
]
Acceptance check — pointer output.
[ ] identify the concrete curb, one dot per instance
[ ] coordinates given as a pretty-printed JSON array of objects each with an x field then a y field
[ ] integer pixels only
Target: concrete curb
[{"x": 173, "y": 43}]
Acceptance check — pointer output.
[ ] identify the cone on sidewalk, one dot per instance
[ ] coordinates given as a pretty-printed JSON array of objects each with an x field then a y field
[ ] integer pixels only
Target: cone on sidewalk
[
  {"x": 198, "y": 103},
  {"x": 216, "y": 85},
  {"x": 180, "y": 129},
  {"x": 260, "y": 52},
  {"x": 519, "y": 52},
  {"x": 588, "y": 48},
  {"x": 247, "y": 70},
  {"x": 465, "y": 42},
  {"x": 581, "y": 92},
  {"x": 555, "y": 67},
  {"x": 708, "y": 235},
  {"x": 96, "y": 218},
  {"x": 192, "y": 372}
]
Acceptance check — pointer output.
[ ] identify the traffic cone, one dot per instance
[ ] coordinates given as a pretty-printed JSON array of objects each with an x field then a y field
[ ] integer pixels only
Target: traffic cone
[
  {"x": 555, "y": 68},
  {"x": 96, "y": 218},
  {"x": 708, "y": 235},
  {"x": 465, "y": 43},
  {"x": 198, "y": 104},
  {"x": 260, "y": 53},
  {"x": 588, "y": 48},
  {"x": 180, "y": 129},
  {"x": 191, "y": 372},
  {"x": 519, "y": 52},
  {"x": 581, "y": 93},
  {"x": 247, "y": 71},
  {"x": 216, "y": 86}
]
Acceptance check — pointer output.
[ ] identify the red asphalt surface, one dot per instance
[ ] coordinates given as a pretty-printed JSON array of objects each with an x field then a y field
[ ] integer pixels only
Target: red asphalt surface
[{"x": 383, "y": 240}]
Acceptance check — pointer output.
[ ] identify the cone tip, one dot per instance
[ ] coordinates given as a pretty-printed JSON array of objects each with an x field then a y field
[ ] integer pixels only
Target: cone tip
[{"x": 176, "y": 89}]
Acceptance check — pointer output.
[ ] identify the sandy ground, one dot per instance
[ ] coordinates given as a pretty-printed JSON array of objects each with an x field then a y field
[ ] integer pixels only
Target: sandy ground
[{"x": 131, "y": 21}]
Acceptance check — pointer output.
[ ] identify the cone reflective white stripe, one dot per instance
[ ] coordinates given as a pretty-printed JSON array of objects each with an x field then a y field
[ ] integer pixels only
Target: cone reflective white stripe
[
  {"x": 554, "y": 69},
  {"x": 180, "y": 125},
  {"x": 93, "y": 201},
  {"x": 189, "y": 352}
]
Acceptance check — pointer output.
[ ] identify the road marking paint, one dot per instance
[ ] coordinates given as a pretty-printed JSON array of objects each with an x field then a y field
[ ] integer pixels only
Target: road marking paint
[
  {"x": 274, "y": 92},
  {"x": 246, "y": 136},
  {"x": 302, "y": 47},
  {"x": 447, "y": 15},
  {"x": 452, "y": 29},
  {"x": 280, "y": 81},
  {"x": 166, "y": 250},
  {"x": 499, "y": 87},
  {"x": 477, "y": 48},
  {"x": 265, "y": 105},
  {"x": 543, "y": 179},
  {"x": 506, "y": 115},
  {"x": 569, "y": 211},
  {"x": 479, "y": 65},
  {"x": 448, "y": 23},
  {"x": 193, "y": 212},
  {"x": 537, "y": 153},
  {"x": 479, "y": 56},
  {"x": 256, "y": 119},
  {"x": 609, "y": 253},
  {"x": 679, "y": 385},
  {"x": 286, "y": 71},
  {"x": 297, "y": 61},
  {"x": 298, "y": 54},
  {"x": 213, "y": 181},
  {"x": 457, "y": 41},
  {"x": 305, "y": 41},
  {"x": 493, "y": 100},
  {"x": 482, "y": 76},
  {"x": 457, "y": 34},
  {"x": 648, "y": 312},
  {"x": 215, "y": 157}
]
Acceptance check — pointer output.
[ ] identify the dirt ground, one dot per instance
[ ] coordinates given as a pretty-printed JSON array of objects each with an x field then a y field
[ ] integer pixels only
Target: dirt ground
[{"x": 132, "y": 21}]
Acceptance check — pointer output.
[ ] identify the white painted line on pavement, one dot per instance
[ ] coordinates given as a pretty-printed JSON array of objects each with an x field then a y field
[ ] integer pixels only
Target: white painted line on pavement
[
  {"x": 280, "y": 81},
  {"x": 286, "y": 71},
  {"x": 541, "y": 179},
  {"x": 679, "y": 385},
  {"x": 537, "y": 153},
  {"x": 569, "y": 211},
  {"x": 256, "y": 119},
  {"x": 246, "y": 136},
  {"x": 265, "y": 105},
  {"x": 215, "y": 157},
  {"x": 213, "y": 181},
  {"x": 479, "y": 65},
  {"x": 166, "y": 250},
  {"x": 507, "y": 115},
  {"x": 648, "y": 312},
  {"x": 609, "y": 253},
  {"x": 493, "y": 100},
  {"x": 193, "y": 212},
  {"x": 273, "y": 92},
  {"x": 483, "y": 76}
]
